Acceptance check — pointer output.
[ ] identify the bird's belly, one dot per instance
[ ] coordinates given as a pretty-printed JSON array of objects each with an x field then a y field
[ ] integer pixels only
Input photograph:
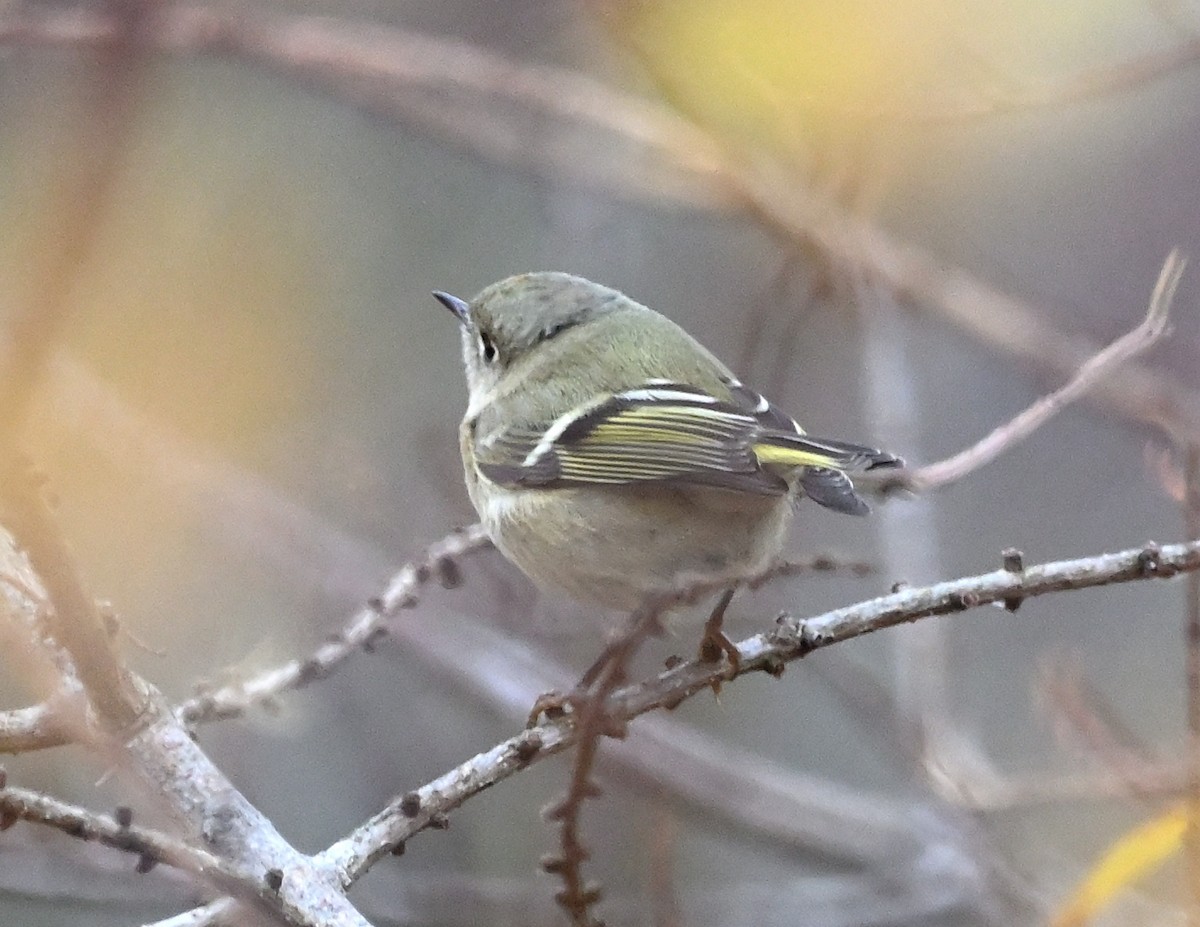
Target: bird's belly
[{"x": 612, "y": 546}]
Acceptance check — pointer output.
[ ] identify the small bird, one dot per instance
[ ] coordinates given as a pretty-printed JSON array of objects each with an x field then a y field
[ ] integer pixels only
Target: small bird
[{"x": 610, "y": 455}]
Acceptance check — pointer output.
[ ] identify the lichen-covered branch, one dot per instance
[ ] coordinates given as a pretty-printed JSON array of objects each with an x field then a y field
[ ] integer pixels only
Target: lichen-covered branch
[{"x": 769, "y": 652}]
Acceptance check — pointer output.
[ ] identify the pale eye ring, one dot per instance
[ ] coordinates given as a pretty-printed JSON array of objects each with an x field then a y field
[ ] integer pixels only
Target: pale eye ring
[{"x": 487, "y": 348}]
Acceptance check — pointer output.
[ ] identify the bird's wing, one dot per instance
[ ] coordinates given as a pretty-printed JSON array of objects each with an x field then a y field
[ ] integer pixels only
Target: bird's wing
[{"x": 672, "y": 433}]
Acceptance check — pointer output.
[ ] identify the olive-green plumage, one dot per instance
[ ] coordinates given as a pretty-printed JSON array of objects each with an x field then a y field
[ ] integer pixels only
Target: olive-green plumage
[{"x": 608, "y": 453}]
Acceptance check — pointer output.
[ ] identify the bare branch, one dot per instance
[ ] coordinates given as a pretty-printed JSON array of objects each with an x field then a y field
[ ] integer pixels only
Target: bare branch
[
  {"x": 73, "y": 619},
  {"x": 32, "y": 728},
  {"x": 690, "y": 165},
  {"x": 764, "y": 799},
  {"x": 145, "y": 738},
  {"x": 150, "y": 846},
  {"x": 362, "y": 632},
  {"x": 1090, "y": 372},
  {"x": 769, "y": 653},
  {"x": 578, "y": 897}
]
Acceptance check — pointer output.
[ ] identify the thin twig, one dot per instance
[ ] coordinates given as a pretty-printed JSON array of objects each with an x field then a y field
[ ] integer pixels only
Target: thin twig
[
  {"x": 766, "y": 800},
  {"x": 769, "y": 652},
  {"x": 1090, "y": 372},
  {"x": 151, "y": 846},
  {"x": 73, "y": 618},
  {"x": 1083, "y": 712},
  {"x": 362, "y": 632},
  {"x": 592, "y": 722},
  {"x": 34, "y": 728},
  {"x": 689, "y": 164}
]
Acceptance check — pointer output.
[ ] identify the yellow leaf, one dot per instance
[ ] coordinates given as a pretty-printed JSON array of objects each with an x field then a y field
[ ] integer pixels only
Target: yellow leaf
[{"x": 1131, "y": 857}]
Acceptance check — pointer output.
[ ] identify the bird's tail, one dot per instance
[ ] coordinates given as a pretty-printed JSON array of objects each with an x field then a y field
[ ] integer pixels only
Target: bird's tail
[{"x": 824, "y": 464}]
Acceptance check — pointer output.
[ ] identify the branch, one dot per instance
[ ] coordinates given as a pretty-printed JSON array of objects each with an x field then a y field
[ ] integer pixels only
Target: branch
[
  {"x": 758, "y": 797},
  {"x": 34, "y": 728},
  {"x": 770, "y": 653},
  {"x": 119, "y": 832},
  {"x": 179, "y": 776},
  {"x": 673, "y": 157},
  {"x": 1089, "y": 374},
  {"x": 362, "y": 632}
]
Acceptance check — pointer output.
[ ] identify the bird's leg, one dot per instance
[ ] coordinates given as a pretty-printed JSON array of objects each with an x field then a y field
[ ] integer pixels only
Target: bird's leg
[
  {"x": 615, "y": 655},
  {"x": 554, "y": 704},
  {"x": 715, "y": 642}
]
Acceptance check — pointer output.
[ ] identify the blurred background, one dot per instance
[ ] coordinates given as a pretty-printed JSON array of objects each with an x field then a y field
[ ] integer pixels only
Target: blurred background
[{"x": 903, "y": 222}]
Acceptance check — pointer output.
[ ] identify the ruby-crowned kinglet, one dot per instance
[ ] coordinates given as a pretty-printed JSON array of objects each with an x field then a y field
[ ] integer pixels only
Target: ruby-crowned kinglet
[{"x": 611, "y": 455}]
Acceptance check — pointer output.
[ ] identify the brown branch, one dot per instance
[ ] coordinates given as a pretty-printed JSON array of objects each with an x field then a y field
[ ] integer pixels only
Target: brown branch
[
  {"x": 592, "y": 722},
  {"x": 769, "y": 653},
  {"x": 1091, "y": 372},
  {"x": 689, "y": 164},
  {"x": 109, "y": 91},
  {"x": 1083, "y": 712}
]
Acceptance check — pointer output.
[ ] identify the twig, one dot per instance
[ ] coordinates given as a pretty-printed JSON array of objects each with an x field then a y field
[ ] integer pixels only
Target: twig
[
  {"x": 34, "y": 728},
  {"x": 768, "y": 652},
  {"x": 764, "y": 799},
  {"x": 369, "y": 625},
  {"x": 1088, "y": 717},
  {"x": 817, "y": 563},
  {"x": 73, "y": 620},
  {"x": 149, "y": 845},
  {"x": 690, "y": 165},
  {"x": 592, "y": 722},
  {"x": 365, "y": 629},
  {"x": 1090, "y": 372}
]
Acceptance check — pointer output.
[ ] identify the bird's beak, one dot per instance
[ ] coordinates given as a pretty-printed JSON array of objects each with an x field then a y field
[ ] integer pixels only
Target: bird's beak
[{"x": 460, "y": 308}]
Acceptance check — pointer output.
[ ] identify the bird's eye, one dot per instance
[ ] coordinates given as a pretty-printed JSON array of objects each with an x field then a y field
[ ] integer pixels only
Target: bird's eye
[{"x": 487, "y": 348}]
